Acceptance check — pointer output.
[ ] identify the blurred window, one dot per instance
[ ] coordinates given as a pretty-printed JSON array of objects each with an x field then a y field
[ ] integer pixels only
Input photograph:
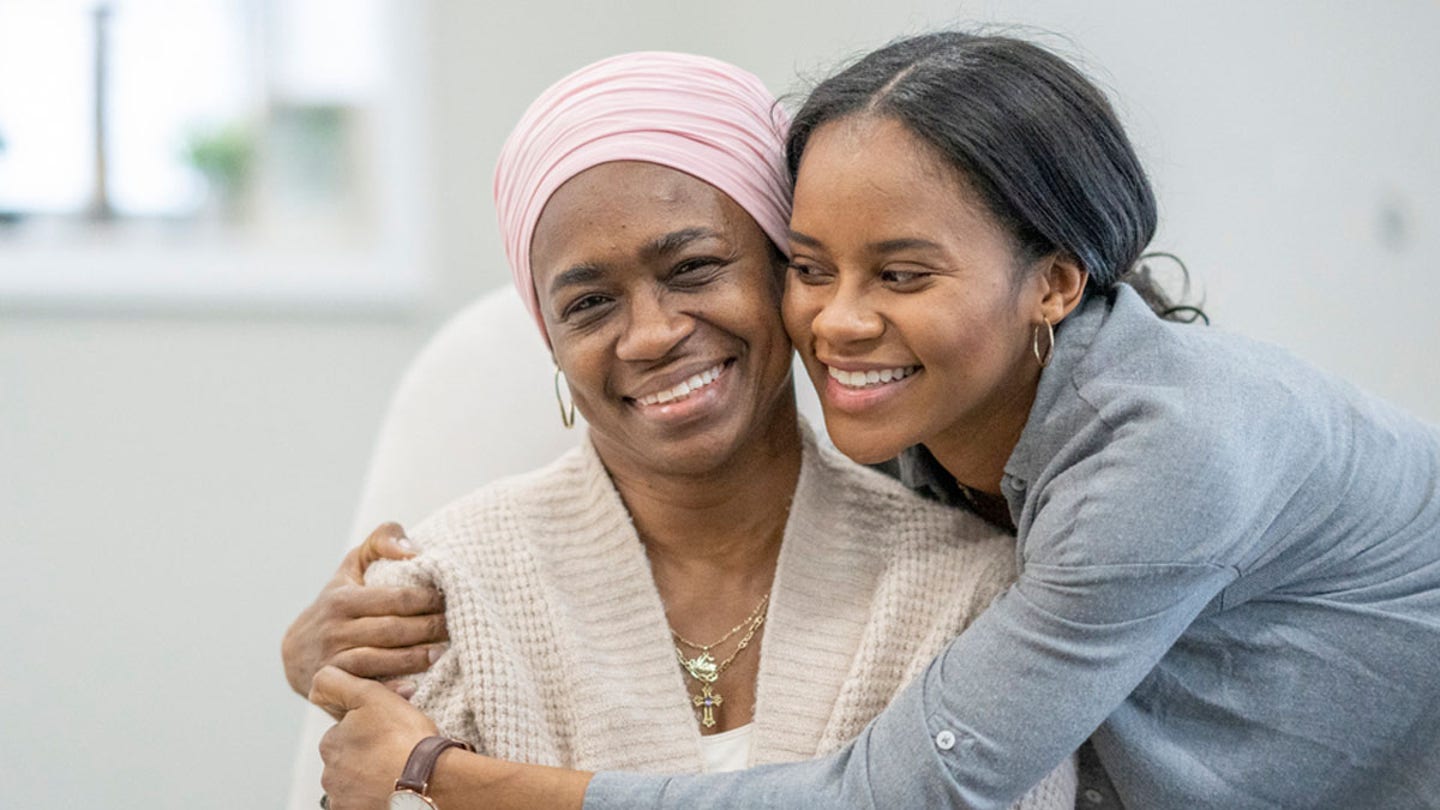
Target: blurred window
[
  {"x": 213, "y": 134},
  {"x": 170, "y": 71}
]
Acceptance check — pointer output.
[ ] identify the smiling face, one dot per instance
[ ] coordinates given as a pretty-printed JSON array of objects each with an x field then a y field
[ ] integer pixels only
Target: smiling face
[
  {"x": 905, "y": 300},
  {"x": 660, "y": 295}
]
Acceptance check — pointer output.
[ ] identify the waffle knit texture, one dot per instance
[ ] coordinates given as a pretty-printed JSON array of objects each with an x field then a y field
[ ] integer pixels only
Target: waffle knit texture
[{"x": 560, "y": 651}]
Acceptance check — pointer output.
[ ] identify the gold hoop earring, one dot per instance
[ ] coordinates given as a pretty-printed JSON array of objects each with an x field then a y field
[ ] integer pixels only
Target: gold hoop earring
[
  {"x": 1050, "y": 346},
  {"x": 567, "y": 409}
]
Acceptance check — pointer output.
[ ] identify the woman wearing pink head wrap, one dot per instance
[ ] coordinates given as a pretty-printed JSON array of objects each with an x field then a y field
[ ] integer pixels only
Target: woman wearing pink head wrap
[{"x": 700, "y": 586}]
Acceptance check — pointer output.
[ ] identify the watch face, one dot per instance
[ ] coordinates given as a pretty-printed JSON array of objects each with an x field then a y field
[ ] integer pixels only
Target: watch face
[{"x": 409, "y": 800}]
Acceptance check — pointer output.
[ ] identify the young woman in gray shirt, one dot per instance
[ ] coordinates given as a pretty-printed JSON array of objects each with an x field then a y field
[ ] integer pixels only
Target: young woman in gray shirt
[{"x": 1229, "y": 562}]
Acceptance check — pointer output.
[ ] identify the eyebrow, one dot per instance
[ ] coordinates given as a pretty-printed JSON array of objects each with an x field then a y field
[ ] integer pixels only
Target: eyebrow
[
  {"x": 807, "y": 241},
  {"x": 897, "y": 245},
  {"x": 675, "y": 240},
  {"x": 887, "y": 246},
  {"x": 579, "y": 274}
]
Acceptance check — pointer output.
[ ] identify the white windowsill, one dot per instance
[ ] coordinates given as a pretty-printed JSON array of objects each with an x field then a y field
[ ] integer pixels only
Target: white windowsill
[
  {"x": 65, "y": 265},
  {"x": 206, "y": 278}
]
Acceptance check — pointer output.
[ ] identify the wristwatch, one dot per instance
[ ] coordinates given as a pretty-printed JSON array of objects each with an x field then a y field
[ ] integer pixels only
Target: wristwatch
[{"x": 414, "y": 782}]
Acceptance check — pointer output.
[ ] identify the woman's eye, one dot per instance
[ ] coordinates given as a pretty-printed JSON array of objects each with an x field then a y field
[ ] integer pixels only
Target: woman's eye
[
  {"x": 585, "y": 303},
  {"x": 696, "y": 271},
  {"x": 902, "y": 278},
  {"x": 806, "y": 273}
]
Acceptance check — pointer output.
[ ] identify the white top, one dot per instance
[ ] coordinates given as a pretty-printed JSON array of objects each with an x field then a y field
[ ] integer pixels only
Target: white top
[{"x": 728, "y": 750}]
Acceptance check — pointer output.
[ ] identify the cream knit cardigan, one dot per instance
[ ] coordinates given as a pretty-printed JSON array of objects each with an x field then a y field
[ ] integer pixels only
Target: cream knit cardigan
[{"x": 561, "y": 655}]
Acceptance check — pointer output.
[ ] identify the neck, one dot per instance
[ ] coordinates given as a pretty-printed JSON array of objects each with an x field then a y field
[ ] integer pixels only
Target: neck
[
  {"x": 719, "y": 530},
  {"x": 976, "y": 452}
]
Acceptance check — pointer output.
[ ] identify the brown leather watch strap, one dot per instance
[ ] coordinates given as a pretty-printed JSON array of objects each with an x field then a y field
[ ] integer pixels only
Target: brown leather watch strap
[{"x": 421, "y": 764}]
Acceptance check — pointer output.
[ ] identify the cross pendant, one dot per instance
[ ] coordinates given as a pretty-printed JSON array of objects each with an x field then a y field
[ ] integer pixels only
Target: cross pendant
[{"x": 707, "y": 701}]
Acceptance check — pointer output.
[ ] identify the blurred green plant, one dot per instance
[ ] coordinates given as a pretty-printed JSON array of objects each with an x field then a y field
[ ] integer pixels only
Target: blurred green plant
[
  {"x": 6, "y": 217},
  {"x": 309, "y": 143},
  {"x": 223, "y": 155}
]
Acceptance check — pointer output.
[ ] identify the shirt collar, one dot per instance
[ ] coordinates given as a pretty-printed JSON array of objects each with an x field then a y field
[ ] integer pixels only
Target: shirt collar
[{"x": 918, "y": 470}]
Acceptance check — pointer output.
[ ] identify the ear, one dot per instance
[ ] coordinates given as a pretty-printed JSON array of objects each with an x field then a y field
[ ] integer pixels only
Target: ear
[{"x": 1062, "y": 284}]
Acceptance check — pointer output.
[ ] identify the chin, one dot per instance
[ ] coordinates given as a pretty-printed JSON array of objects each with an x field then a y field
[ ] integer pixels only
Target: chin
[
  {"x": 708, "y": 453},
  {"x": 864, "y": 446}
]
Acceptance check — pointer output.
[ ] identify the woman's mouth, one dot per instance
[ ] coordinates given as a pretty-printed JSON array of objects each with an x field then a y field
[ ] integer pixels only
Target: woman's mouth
[
  {"x": 859, "y": 391},
  {"x": 870, "y": 378},
  {"x": 685, "y": 388}
]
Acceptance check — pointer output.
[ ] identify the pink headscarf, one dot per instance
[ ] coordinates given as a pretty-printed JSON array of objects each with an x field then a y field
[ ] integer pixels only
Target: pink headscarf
[{"x": 694, "y": 114}]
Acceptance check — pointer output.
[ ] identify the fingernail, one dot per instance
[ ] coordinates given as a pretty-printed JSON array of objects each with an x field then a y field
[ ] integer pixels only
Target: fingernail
[
  {"x": 405, "y": 689},
  {"x": 405, "y": 545},
  {"x": 437, "y": 651}
]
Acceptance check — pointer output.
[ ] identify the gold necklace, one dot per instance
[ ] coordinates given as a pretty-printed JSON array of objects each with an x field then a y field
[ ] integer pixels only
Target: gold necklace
[
  {"x": 707, "y": 647},
  {"x": 706, "y": 672}
]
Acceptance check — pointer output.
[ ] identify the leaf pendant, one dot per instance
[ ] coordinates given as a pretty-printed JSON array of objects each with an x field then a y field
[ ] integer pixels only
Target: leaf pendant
[{"x": 702, "y": 667}]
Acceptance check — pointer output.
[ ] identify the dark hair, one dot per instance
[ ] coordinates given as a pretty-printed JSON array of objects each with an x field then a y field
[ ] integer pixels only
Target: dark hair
[{"x": 1033, "y": 136}]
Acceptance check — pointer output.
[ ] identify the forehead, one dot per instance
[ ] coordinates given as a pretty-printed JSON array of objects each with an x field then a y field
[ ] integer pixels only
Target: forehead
[
  {"x": 879, "y": 157},
  {"x": 865, "y": 174},
  {"x": 618, "y": 208}
]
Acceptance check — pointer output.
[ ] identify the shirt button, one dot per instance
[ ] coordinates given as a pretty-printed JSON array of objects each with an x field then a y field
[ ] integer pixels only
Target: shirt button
[
  {"x": 945, "y": 740},
  {"x": 1094, "y": 796}
]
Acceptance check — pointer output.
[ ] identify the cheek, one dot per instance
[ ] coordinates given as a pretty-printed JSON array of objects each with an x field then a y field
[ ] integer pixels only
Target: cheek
[
  {"x": 984, "y": 355},
  {"x": 759, "y": 325},
  {"x": 798, "y": 311},
  {"x": 583, "y": 373},
  {"x": 748, "y": 305}
]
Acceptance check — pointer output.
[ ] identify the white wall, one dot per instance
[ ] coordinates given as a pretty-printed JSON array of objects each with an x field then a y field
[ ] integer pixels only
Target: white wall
[
  {"x": 170, "y": 492},
  {"x": 173, "y": 489},
  {"x": 1295, "y": 146}
]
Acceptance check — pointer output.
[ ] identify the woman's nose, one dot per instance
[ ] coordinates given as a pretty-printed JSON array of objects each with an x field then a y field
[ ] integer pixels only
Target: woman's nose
[
  {"x": 846, "y": 317},
  {"x": 653, "y": 328}
]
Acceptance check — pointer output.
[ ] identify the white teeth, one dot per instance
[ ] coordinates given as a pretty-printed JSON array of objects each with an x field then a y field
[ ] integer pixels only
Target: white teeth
[
  {"x": 684, "y": 389},
  {"x": 862, "y": 379}
]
